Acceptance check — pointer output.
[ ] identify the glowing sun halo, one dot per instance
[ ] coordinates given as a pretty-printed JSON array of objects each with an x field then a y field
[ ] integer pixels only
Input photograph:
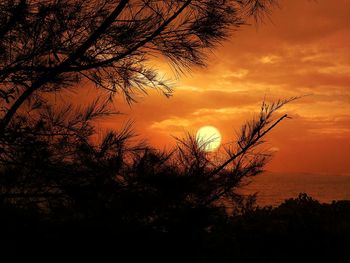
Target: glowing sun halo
[{"x": 208, "y": 138}]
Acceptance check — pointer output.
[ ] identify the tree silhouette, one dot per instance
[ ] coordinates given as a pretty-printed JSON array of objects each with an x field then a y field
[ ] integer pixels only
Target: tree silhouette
[
  {"x": 47, "y": 46},
  {"x": 61, "y": 190},
  {"x": 52, "y": 164},
  {"x": 48, "y": 159}
]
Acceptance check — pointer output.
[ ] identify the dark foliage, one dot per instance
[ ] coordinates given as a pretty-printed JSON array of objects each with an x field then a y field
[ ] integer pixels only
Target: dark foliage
[
  {"x": 47, "y": 46},
  {"x": 53, "y": 166},
  {"x": 49, "y": 160}
]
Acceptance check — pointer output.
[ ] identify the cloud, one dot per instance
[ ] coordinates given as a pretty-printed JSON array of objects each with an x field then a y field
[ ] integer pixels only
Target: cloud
[
  {"x": 305, "y": 50},
  {"x": 269, "y": 59}
]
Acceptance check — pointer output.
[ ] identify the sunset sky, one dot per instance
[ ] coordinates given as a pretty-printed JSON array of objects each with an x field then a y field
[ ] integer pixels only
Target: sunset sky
[{"x": 303, "y": 49}]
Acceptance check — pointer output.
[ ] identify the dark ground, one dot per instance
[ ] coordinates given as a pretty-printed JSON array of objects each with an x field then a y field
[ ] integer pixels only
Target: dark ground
[{"x": 299, "y": 230}]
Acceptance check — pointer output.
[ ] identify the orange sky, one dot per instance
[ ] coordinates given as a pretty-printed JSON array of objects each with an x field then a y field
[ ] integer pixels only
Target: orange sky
[{"x": 305, "y": 49}]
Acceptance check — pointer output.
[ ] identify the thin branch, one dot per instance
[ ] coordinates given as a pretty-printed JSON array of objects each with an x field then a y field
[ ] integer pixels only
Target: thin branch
[
  {"x": 243, "y": 150},
  {"x": 158, "y": 31}
]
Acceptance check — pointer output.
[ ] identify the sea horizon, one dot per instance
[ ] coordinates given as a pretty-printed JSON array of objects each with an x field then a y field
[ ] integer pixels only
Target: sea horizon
[{"x": 273, "y": 188}]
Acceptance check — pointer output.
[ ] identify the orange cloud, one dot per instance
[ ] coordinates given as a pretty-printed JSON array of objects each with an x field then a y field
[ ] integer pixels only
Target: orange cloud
[{"x": 304, "y": 50}]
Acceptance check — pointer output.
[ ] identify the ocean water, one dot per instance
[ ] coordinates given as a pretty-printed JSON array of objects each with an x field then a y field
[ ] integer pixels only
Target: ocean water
[{"x": 274, "y": 188}]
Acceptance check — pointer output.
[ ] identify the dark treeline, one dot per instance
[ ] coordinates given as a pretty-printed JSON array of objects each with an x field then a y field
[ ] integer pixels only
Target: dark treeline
[{"x": 298, "y": 230}]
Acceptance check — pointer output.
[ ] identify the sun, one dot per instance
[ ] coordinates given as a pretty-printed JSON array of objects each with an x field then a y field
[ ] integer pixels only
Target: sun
[{"x": 208, "y": 138}]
